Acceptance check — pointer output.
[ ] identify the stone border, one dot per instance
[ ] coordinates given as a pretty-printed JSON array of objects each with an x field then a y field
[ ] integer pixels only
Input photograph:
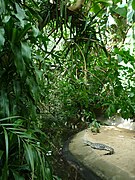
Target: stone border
[{"x": 95, "y": 162}]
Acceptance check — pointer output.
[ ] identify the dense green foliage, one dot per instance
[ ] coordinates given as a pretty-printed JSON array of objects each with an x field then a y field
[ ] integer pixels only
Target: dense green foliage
[
  {"x": 22, "y": 151},
  {"x": 60, "y": 67}
]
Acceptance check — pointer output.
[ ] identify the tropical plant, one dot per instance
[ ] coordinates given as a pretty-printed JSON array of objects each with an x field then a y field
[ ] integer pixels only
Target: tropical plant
[
  {"x": 20, "y": 78},
  {"x": 22, "y": 153},
  {"x": 86, "y": 66},
  {"x": 60, "y": 62}
]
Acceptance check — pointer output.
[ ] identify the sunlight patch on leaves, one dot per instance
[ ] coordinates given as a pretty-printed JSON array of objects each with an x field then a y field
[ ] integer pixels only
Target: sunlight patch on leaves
[
  {"x": 20, "y": 14},
  {"x": 26, "y": 50},
  {"x": 2, "y": 39}
]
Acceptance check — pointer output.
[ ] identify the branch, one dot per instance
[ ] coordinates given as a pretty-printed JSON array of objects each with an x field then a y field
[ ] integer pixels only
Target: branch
[{"x": 77, "y": 5}]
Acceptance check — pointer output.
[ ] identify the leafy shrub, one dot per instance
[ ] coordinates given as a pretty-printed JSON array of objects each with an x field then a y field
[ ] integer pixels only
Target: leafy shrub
[{"x": 22, "y": 152}]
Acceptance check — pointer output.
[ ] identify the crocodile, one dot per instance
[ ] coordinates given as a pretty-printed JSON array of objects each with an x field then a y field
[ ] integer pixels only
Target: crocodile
[{"x": 99, "y": 146}]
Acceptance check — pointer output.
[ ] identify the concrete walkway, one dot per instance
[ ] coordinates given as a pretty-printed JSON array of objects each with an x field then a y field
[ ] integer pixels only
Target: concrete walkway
[{"x": 119, "y": 166}]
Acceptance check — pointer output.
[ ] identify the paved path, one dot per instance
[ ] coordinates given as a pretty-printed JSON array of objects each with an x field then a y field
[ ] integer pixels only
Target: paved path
[{"x": 119, "y": 166}]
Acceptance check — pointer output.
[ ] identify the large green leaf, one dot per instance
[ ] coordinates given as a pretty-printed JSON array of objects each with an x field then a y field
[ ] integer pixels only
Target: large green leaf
[
  {"x": 20, "y": 14},
  {"x": 2, "y": 6},
  {"x": 2, "y": 38},
  {"x": 122, "y": 11},
  {"x": 19, "y": 62},
  {"x": 17, "y": 176},
  {"x": 24, "y": 31},
  {"x": 14, "y": 36},
  {"x": 26, "y": 50},
  {"x": 133, "y": 4}
]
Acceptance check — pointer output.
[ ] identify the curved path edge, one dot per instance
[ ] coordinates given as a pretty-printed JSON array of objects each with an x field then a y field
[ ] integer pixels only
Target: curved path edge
[
  {"x": 93, "y": 164},
  {"x": 85, "y": 172}
]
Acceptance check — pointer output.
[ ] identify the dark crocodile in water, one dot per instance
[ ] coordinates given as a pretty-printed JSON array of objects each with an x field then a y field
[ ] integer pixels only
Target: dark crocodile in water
[{"x": 99, "y": 146}]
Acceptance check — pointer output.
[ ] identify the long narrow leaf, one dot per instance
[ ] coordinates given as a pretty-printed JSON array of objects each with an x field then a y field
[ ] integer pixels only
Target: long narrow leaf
[
  {"x": 19, "y": 147},
  {"x": 12, "y": 117},
  {"x": 8, "y": 124},
  {"x": 17, "y": 176},
  {"x": 30, "y": 156},
  {"x": 21, "y": 130},
  {"x": 7, "y": 149},
  {"x": 42, "y": 165}
]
